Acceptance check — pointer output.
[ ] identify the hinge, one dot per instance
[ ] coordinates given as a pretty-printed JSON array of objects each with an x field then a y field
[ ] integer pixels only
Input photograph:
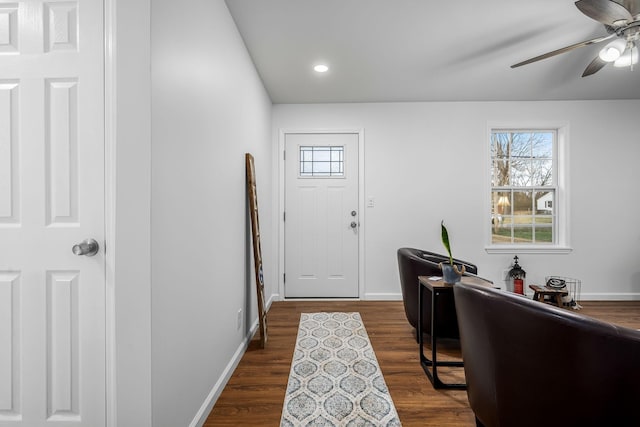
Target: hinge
[
  {"x": 284, "y": 155},
  {"x": 284, "y": 216},
  {"x": 284, "y": 277}
]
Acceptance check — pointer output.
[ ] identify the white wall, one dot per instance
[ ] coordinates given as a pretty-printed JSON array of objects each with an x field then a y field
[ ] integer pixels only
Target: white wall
[
  {"x": 428, "y": 161},
  {"x": 209, "y": 108}
]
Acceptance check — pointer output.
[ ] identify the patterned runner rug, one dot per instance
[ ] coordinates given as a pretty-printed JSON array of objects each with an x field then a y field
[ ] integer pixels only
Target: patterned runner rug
[{"x": 335, "y": 379}]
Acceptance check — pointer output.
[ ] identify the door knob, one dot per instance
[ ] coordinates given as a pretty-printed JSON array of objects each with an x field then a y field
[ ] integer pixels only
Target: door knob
[
  {"x": 354, "y": 224},
  {"x": 88, "y": 247}
]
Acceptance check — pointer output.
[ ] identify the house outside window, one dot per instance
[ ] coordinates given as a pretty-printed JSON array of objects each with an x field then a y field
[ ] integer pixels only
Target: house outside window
[{"x": 525, "y": 193}]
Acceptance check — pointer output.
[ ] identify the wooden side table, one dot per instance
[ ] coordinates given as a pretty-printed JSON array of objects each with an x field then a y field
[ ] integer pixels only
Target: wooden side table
[
  {"x": 437, "y": 287},
  {"x": 555, "y": 295}
]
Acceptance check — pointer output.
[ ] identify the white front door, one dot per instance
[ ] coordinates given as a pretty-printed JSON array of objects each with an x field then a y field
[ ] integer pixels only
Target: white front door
[
  {"x": 52, "y": 302},
  {"x": 321, "y": 215}
]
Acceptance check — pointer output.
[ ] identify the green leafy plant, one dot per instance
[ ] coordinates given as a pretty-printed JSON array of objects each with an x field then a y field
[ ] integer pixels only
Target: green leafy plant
[
  {"x": 447, "y": 245},
  {"x": 445, "y": 241}
]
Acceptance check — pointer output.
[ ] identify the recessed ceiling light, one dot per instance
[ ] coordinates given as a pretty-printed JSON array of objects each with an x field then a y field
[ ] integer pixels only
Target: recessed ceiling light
[{"x": 321, "y": 68}]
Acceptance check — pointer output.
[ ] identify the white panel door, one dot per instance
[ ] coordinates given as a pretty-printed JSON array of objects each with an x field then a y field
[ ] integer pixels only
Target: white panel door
[
  {"x": 321, "y": 215},
  {"x": 52, "y": 302}
]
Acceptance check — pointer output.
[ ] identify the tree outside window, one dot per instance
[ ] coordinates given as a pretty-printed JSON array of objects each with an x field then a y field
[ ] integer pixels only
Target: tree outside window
[{"x": 523, "y": 187}]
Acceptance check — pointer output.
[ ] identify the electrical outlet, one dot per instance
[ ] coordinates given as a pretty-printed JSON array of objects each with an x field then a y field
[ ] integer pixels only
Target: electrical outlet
[
  {"x": 371, "y": 202},
  {"x": 239, "y": 319}
]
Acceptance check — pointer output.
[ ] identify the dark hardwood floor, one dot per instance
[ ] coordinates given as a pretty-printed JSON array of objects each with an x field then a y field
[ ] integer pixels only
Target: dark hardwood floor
[{"x": 255, "y": 392}]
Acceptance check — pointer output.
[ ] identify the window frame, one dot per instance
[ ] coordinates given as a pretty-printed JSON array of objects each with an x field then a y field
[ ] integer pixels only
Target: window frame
[{"x": 561, "y": 226}]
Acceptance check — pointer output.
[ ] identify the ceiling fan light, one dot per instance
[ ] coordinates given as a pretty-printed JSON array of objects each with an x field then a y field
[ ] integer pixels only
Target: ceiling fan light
[
  {"x": 630, "y": 57},
  {"x": 613, "y": 50}
]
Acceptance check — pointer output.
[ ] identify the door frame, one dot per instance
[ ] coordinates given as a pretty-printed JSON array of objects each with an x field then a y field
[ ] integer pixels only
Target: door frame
[
  {"x": 110, "y": 131},
  {"x": 281, "y": 202},
  {"x": 127, "y": 133}
]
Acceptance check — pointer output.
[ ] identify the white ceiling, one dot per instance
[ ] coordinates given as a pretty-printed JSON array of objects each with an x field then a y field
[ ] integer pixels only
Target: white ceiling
[{"x": 425, "y": 50}]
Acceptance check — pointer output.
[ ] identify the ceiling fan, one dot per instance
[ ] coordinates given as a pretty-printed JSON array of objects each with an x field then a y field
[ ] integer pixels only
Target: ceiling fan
[{"x": 622, "y": 22}]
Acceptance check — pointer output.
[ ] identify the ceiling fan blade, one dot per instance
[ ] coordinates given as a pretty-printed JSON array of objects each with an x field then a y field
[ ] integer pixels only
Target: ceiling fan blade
[
  {"x": 563, "y": 50},
  {"x": 632, "y": 6},
  {"x": 594, "y": 66},
  {"x": 605, "y": 11}
]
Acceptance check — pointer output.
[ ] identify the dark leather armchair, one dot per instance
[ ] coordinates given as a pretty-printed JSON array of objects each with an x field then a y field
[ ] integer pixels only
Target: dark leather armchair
[
  {"x": 413, "y": 263},
  {"x": 530, "y": 364}
]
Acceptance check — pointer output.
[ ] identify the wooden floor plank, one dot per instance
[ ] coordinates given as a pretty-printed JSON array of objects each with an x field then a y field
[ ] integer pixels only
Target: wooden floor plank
[{"x": 255, "y": 392}]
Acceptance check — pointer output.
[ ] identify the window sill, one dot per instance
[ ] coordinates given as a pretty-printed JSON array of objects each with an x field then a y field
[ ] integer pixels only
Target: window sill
[{"x": 510, "y": 249}]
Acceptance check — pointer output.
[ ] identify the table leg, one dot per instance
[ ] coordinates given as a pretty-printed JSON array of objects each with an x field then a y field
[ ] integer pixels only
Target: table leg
[
  {"x": 434, "y": 354},
  {"x": 559, "y": 300},
  {"x": 433, "y": 363},
  {"x": 419, "y": 328}
]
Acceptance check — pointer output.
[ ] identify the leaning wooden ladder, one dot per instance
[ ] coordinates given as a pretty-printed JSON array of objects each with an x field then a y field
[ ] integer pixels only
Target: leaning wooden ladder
[{"x": 257, "y": 252}]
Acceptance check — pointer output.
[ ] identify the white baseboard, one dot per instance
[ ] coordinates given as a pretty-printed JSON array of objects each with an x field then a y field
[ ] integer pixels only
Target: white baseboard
[
  {"x": 274, "y": 297},
  {"x": 620, "y": 296},
  {"x": 383, "y": 296},
  {"x": 216, "y": 391},
  {"x": 202, "y": 414},
  {"x": 602, "y": 296},
  {"x": 372, "y": 296}
]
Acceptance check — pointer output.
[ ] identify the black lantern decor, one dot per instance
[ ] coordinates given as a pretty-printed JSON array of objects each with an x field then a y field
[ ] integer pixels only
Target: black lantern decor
[{"x": 517, "y": 274}]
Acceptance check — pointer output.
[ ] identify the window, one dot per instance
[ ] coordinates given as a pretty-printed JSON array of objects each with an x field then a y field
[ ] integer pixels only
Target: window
[
  {"x": 321, "y": 161},
  {"x": 524, "y": 187}
]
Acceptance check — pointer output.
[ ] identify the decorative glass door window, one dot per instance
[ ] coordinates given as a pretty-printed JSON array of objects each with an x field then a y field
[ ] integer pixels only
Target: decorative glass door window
[{"x": 321, "y": 161}]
